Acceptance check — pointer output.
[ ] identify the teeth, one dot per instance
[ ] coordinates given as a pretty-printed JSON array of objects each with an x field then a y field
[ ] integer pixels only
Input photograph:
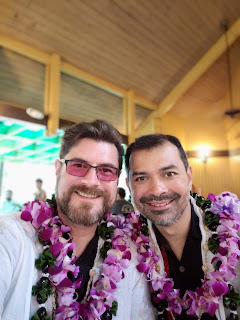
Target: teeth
[
  {"x": 159, "y": 204},
  {"x": 87, "y": 195}
]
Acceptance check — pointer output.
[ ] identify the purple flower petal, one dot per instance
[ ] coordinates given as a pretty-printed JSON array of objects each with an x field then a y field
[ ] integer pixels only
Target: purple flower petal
[
  {"x": 46, "y": 234},
  {"x": 26, "y": 216},
  {"x": 65, "y": 283},
  {"x": 220, "y": 288},
  {"x": 65, "y": 228},
  {"x": 55, "y": 270},
  {"x": 142, "y": 267},
  {"x": 56, "y": 248},
  {"x": 77, "y": 283},
  {"x": 212, "y": 197},
  {"x": 127, "y": 255}
]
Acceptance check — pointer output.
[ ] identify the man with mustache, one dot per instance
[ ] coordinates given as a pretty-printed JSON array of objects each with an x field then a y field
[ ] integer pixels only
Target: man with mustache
[
  {"x": 175, "y": 252},
  {"x": 70, "y": 258}
]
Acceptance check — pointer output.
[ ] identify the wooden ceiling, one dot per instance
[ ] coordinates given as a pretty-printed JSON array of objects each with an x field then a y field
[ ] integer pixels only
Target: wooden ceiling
[{"x": 144, "y": 45}]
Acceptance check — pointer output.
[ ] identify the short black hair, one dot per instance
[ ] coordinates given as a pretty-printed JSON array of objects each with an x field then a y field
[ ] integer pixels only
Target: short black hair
[
  {"x": 121, "y": 192},
  {"x": 39, "y": 180},
  {"x": 150, "y": 141},
  {"x": 97, "y": 130}
]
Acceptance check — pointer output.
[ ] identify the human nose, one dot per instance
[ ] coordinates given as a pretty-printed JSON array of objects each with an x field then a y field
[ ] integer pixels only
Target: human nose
[
  {"x": 91, "y": 177},
  {"x": 157, "y": 187}
]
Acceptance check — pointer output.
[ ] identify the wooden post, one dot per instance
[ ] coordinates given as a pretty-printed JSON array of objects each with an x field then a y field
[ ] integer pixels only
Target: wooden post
[
  {"x": 129, "y": 116},
  {"x": 52, "y": 92}
]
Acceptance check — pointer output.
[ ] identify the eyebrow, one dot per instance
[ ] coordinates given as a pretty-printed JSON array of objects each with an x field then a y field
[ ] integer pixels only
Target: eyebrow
[
  {"x": 139, "y": 173},
  {"x": 99, "y": 165},
  {"x": 171, "y": 166}
]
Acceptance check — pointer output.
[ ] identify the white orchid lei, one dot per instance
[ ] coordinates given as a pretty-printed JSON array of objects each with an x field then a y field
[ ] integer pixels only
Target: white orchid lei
[
  {"x": 57, "y": 264},
  {"x": 221, "y": 216}
]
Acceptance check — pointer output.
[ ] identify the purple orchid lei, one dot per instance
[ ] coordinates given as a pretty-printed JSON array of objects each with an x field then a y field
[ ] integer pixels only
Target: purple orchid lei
[
  {"x": 57, "y": 264},
  {"x": 221, "y": 216}
]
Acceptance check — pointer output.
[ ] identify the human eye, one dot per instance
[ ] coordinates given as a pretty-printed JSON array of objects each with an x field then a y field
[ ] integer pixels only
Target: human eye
[
  {"x": 170, "y": 174},
  {"x": 76, "y": 164},
  {"x": 106, "y": 170},
  {"x": 139, "y": 179}
]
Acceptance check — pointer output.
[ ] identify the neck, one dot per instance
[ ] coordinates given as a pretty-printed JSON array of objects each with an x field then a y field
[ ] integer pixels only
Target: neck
[
  {"x": 81, "y": 234},
  {"x": 176, "y": 234}
]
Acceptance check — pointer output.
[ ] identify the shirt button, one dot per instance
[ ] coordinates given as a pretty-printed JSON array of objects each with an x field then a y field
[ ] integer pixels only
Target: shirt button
[{"x": 182, "y": 269}]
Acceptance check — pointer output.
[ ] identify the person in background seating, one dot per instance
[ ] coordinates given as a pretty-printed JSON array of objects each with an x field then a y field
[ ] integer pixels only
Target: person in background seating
[
  {"x": 122, "y": 206},
  {"x": 9, "y": 205},
  {"x": 40, "y": 194}
]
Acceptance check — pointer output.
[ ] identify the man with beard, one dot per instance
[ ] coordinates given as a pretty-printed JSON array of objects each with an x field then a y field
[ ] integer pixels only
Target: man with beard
[
  {"x": 70, "y": 258},
  {"x": 179, "y": 227}
]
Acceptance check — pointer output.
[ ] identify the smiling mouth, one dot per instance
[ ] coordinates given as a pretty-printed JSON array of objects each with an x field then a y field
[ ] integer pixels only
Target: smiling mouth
[
  {"x": 159, "y": 205},
  {"x": 85, "y": 195}
]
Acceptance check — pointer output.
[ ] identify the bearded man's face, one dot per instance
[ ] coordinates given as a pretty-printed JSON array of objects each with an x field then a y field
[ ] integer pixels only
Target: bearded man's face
[{"x": 85, "y": 200}]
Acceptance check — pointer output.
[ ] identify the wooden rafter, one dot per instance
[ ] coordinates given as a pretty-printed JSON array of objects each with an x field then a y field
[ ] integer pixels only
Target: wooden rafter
[
  {"x": 42, "y": 57},
  {"x": 193, "y": 75},
  {"x": 24, "y": 49}
]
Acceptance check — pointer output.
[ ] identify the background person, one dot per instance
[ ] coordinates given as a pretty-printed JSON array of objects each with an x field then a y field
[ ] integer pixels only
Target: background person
[
  {"x": 40, "y": 194},
  {"x": 179, "y": 232},
  {"x": 9, "y": 205},
  {"x": 121, "y": 206},
  {"x": 74, "y": 248}
]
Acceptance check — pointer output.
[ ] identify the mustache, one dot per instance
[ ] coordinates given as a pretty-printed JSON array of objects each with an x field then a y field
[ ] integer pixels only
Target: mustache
[
  {"x": 152, "y": 197},
  {"x": 94, "y": 191}
]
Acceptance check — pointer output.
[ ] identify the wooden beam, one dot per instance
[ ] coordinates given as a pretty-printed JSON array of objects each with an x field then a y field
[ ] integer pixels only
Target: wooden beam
[
  {"x": 10, "y": 110},
  {"x": 130, "y": 112},
  {"x": 194, "y": 74},
  {"x": 145, "y": 103},
  {"x": 125, "y": 115},
  {"x": 47, "y": 89},
  {"x": 87, "y": 77},
  {"x": 53, "y": 92},
  {"x": 104, "y": 85},
  {"x": 24, "y": 49},
  {"x": 213, "y": 154},
  {"x": 42, "y": 57}
]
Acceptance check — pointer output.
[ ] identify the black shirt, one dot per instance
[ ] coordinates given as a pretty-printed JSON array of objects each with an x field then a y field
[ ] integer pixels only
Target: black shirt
[
  {"x": 186, "y": 273},
  {"x": 85, "y": 263}
]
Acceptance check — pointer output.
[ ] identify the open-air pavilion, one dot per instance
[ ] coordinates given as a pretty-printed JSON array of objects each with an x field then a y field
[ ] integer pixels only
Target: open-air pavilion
[{"x": 151, "y": 66}]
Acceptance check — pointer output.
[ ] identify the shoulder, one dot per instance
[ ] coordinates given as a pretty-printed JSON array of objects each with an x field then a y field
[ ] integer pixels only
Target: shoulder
[{"x": 12, "y": 224}]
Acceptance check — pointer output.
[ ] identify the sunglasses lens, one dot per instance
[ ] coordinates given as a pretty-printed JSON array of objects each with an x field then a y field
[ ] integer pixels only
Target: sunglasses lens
[
  {"x": 76, "y": 168},
  {"x": 107, "y": 173},
  {"x": 80, "y": 169}
]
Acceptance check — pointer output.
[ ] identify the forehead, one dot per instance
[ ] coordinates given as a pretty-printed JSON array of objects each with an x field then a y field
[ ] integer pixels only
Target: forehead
[
  {"x": 94, "y": 152},
  {"x": 156, "y": 158}
]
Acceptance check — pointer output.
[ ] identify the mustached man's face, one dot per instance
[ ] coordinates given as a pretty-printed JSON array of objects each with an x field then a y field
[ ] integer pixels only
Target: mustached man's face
[
  {"x": 85, "y": 200},
  {"x": 159, "y": 184}
]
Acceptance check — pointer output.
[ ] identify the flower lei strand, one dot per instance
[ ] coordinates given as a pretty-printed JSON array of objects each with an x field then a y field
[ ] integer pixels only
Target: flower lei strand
[
  {"x": 57, "y": 264},
  {"x": 221, "y": 216}
]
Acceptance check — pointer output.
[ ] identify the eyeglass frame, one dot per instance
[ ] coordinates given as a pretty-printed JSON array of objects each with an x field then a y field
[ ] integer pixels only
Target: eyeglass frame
[{"x": 90, "y": 166}]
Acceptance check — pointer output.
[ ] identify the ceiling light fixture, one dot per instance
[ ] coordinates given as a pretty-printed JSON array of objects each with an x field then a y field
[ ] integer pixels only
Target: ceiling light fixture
[
  {"x": 35, "y": 114},
  {"x": 204, "y": 153},
  {"x": 230, "y": 112}
]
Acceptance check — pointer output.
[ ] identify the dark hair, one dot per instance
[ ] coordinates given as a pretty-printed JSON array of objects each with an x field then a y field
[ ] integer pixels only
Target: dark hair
[
  {"x": 151, "y": 141},
  {"x": 98, "y": 130},
  {"x": 121, "y": 192},
  {"x": 39, "y": 180}
]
